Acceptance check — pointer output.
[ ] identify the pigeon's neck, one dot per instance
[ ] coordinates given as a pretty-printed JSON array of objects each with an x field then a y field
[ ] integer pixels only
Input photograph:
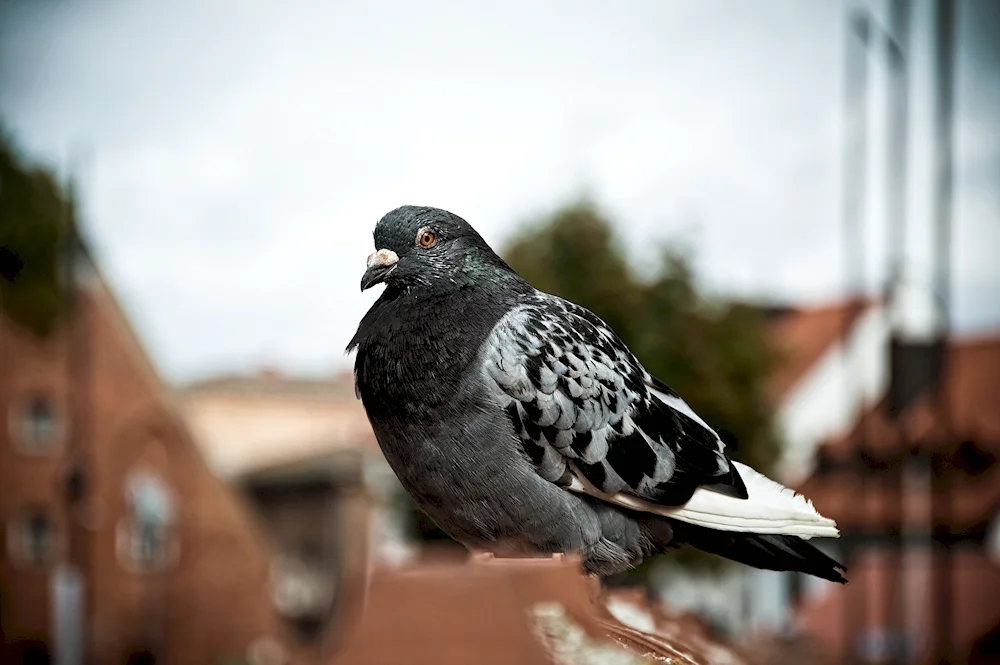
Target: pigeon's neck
[{"x": 415, "y": 346}]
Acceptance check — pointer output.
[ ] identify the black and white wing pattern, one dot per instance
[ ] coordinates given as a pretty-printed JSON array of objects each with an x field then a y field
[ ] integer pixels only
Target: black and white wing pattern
[{"x": 587, "y": 411}]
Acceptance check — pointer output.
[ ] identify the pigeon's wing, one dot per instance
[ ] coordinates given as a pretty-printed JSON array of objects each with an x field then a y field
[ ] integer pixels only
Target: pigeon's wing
[{"x": 590, "y": 417}]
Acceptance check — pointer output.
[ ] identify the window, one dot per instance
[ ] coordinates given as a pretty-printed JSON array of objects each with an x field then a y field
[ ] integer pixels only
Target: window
[
  {"x": 35, "y": 425},
  {"x": 147, "y": 542},
  {"x": 37, "y": 539},
  {"x": 145, "y": 536},
  {"x": 32, "y": 539},
  {"x": 992, "y": 541}
]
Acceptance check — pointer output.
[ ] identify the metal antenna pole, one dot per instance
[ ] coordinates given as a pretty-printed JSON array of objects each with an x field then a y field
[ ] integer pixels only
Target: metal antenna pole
[
  {"x": 943, "y": 188},
  {"x": 896, "y": 45},
  {"x": 854, "y": 189}
]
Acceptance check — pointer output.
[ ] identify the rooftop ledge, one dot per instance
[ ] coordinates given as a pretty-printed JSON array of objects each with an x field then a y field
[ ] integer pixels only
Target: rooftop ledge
[{"x": 521, "y": 611}]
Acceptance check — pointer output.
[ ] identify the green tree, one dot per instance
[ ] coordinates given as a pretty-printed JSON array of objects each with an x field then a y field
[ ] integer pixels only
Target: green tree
[{"x": 34, "y": 217}]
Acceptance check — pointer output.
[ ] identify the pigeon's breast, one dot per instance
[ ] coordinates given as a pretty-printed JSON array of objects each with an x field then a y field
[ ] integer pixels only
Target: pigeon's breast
[{"x": 414, "y": 355}]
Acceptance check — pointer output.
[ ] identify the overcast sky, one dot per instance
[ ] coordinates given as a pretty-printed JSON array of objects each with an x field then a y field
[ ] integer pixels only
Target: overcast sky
[{"x": 235, "y": 156}]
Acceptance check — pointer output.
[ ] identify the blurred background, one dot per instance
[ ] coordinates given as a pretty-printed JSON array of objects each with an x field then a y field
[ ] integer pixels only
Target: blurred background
[{"x": 789, "y": 210}]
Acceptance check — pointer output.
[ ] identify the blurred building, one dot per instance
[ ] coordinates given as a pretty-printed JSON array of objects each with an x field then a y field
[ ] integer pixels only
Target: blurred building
[
  {"x": 832, "y": 358},
  {"x": 118, "y": 543},
  {"x": 915, "y": 489},
  {"x": 244, "y": 423},
  {"x": 906, "y": 464},
  {"x": 912, "y": 480},
  {"x": 302, "y": 453}
]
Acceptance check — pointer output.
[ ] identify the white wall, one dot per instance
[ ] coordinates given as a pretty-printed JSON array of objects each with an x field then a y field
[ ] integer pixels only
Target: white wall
[{"x": 827, "y": 400}]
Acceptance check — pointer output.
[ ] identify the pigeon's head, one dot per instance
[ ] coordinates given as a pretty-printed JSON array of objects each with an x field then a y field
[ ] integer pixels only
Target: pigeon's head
[{"x": 420, "y": 246}]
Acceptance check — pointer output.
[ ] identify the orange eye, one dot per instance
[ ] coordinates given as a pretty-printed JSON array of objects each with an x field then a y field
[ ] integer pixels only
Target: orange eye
[{"x": 426, "y": 239}]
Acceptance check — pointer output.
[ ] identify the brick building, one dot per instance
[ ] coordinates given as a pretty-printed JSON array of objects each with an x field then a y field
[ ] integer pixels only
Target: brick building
[
  {"x": 914, "y": 487},
  {"x": 917, "y": 498},
  {"x": 301, "y": 451},
  {"x": 117, "y": 544}
]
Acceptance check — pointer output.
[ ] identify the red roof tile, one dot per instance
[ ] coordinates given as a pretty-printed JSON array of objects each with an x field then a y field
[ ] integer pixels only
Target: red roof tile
[
  {"x": 803, "y": 336},
  {"x": 972, "y": 390},
  {"x": 972, "y": 397}
]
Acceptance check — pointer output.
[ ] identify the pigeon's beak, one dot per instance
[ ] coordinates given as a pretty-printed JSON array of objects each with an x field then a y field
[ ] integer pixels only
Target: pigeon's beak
[{"x": 380, "y": 264}]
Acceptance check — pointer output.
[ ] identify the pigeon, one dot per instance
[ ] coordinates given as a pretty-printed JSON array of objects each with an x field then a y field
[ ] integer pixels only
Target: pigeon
[{"x": 523, "y": 426}]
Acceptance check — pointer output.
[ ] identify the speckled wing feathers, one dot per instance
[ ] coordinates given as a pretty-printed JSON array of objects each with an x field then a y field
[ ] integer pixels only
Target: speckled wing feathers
[{"x": 582, "y": 404}]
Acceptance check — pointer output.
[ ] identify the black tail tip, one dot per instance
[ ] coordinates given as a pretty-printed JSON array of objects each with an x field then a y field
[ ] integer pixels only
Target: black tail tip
[{"x": 765, "y": 551}]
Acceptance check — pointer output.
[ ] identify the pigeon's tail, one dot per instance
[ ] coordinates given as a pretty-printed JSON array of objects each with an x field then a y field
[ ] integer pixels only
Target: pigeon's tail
[
  {"x": 767, "y": 551},
  {"x": 770, "y": 509}
]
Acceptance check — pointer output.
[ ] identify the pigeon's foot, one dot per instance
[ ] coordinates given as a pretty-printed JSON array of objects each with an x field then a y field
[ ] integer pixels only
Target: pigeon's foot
[{"x": 481, "y": 556}]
